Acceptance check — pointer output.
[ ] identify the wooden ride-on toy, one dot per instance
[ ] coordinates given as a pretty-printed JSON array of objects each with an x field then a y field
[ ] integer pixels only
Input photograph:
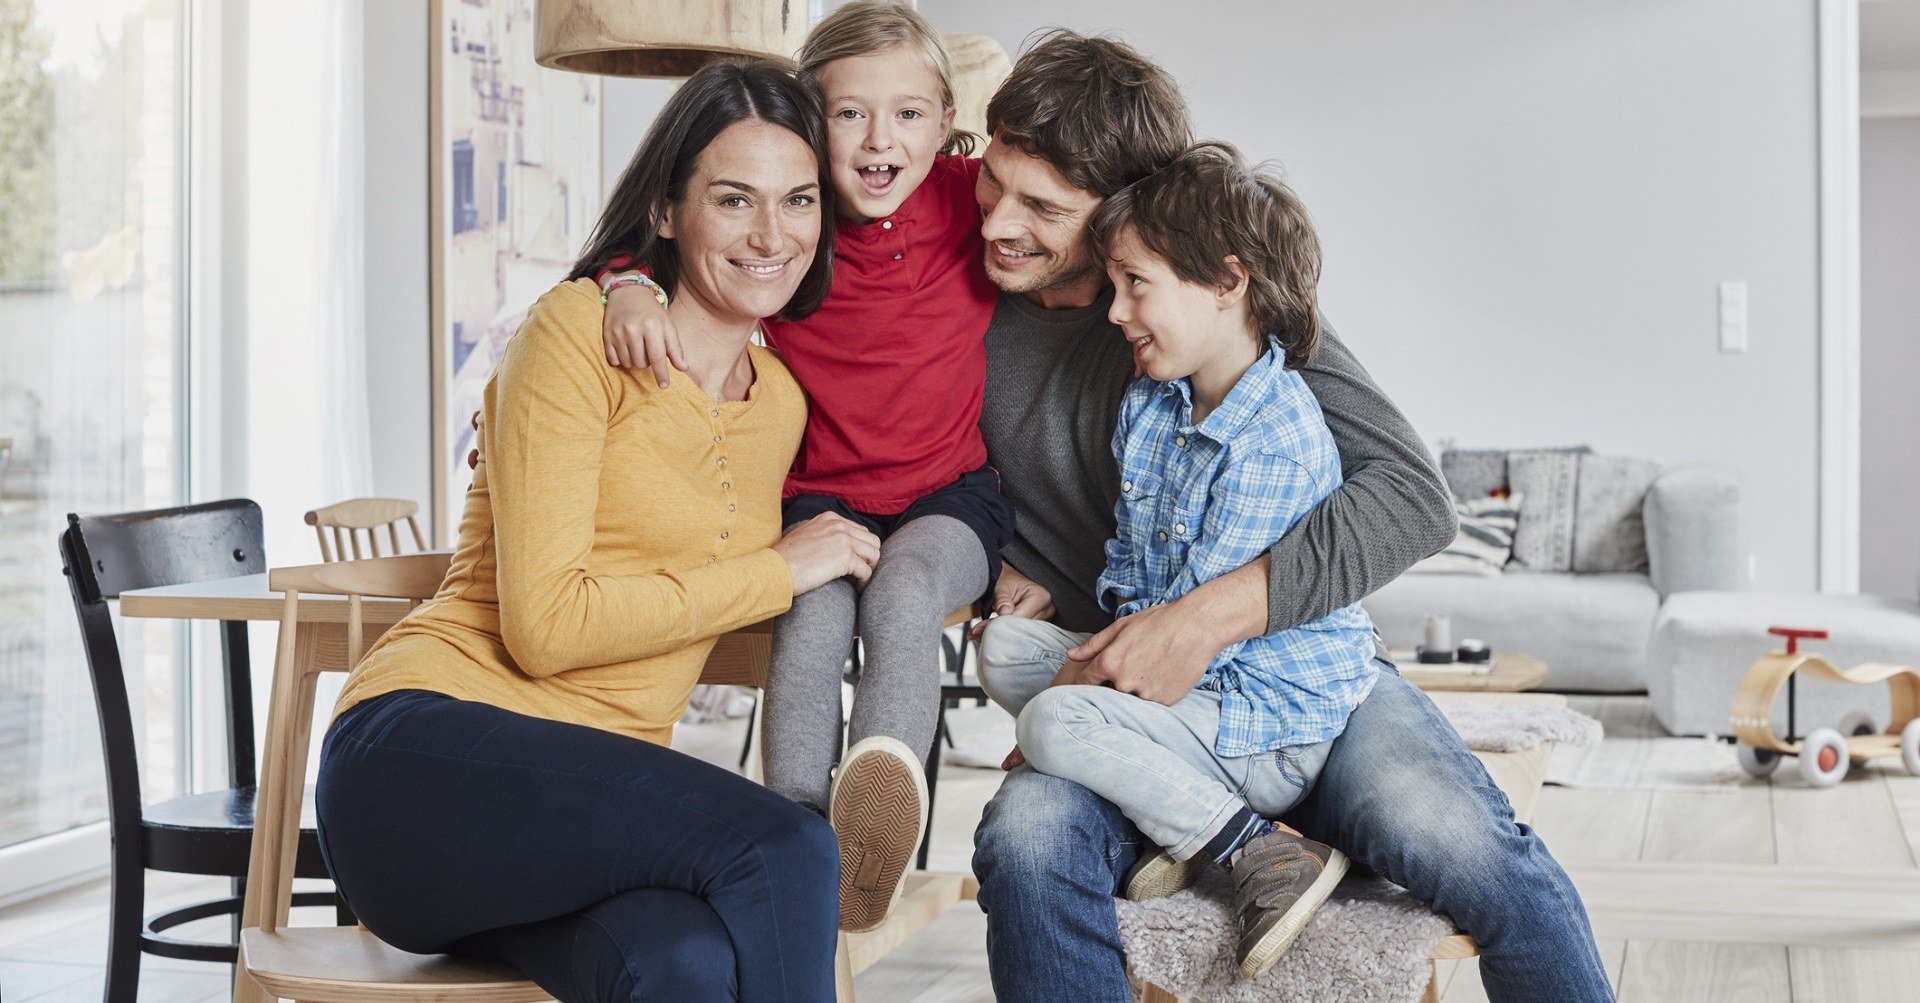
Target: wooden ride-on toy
[{"x": 1824, "y": 753}]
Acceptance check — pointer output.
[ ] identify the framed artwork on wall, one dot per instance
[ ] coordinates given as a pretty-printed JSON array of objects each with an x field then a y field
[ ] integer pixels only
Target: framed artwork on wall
[{"x": 516, "y": 186}]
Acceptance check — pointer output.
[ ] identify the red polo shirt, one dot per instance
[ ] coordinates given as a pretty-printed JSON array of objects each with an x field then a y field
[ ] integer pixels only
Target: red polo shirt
[{"x": 895, "y": 361}]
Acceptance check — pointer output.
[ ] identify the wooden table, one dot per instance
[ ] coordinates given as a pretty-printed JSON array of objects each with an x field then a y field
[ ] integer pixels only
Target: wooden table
[
  {"x": 247, "y": 598},
  {"x": 1511, "y": 673}
]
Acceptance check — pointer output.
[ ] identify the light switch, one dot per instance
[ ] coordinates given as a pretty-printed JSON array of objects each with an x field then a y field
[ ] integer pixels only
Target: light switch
[{"x": 1733, "y": 317}]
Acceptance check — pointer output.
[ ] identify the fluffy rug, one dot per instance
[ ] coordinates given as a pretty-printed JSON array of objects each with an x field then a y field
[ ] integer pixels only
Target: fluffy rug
[{"x": 1502, "y": 726}]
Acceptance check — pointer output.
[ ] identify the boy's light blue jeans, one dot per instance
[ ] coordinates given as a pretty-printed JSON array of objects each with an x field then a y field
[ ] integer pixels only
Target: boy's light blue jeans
[
  {"x": 1399, "y": 793},
  {"x": 1154, "y": 762}
]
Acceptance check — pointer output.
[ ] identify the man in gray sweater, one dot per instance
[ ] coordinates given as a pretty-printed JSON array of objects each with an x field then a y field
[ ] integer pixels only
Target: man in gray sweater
[{"x": 1079, "y": 119}]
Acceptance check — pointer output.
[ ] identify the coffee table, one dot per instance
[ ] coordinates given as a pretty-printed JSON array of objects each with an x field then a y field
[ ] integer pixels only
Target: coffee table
[{"x": 1511, "y": 672}]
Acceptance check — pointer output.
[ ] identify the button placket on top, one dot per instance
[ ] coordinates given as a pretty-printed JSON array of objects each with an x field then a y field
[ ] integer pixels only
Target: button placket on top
[
  {"x": 897, "y": 238},
  {"x": 1181, "y": 465},
  {"x": 718, "y": 428}
]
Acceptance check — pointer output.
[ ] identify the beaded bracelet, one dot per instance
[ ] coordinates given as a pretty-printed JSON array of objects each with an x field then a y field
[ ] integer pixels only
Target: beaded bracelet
[{"x": 634, "y": 279}]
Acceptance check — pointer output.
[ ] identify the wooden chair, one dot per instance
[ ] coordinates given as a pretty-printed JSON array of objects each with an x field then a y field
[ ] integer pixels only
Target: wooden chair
[
  {"x": 206, "y": 833},
  {"x": 323, "y": 964},
  {"x": 355, "y": 518}
]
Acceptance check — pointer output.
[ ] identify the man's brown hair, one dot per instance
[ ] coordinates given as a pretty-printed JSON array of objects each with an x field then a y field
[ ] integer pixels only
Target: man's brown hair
[
  {"x": 1208, "y": 205},
  {"x": 1101, "y": 113}
]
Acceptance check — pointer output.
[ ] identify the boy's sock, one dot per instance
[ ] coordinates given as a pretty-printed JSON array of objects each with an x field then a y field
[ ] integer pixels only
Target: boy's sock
[{"x": 1243, "y": 826}]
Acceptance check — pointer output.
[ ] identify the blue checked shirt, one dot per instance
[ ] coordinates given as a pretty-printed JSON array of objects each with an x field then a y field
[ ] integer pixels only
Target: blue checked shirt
[{"x": 1198, "y": 501}]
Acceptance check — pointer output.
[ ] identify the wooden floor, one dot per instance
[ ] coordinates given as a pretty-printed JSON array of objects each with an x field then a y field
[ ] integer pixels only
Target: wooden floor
[{"x": 1747, "y": 891}]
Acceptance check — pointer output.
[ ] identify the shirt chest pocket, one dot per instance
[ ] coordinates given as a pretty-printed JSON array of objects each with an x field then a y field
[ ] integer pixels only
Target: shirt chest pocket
[{"x": 1152, "y": 510}]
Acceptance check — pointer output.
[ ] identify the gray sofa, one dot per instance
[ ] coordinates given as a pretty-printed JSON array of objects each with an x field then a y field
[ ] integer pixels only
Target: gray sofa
[{"x": 1592, "y": 630}]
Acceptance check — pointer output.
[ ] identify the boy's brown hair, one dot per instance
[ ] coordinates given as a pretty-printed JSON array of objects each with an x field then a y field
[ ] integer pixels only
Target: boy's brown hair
[
  {"x": 1096, "y": 109},
  {"x": 1208, "y": 204}
]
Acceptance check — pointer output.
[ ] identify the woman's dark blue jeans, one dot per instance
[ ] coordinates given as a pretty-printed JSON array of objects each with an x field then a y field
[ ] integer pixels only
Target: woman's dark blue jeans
[{"x": 600, "y": 866}]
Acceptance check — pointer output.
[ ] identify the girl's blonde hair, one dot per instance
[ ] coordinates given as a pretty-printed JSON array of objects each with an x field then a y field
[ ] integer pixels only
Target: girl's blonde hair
[{"x": 864, "y": 27}]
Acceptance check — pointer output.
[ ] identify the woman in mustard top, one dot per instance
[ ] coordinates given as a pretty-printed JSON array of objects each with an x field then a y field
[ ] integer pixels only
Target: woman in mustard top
[{"x": 497, "y": 780}]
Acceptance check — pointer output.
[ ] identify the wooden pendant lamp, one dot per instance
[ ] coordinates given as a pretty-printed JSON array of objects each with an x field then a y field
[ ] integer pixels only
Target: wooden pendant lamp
[{"x": 667, "y": 39}]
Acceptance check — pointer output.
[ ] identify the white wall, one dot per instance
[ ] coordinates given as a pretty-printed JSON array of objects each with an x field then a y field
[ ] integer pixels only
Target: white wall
[
  {"x": 1526, "y": 208},
  {"x": 1890, "y": 356},
  {"x": 628, "y": 110},
  {"x": 398, "y": 274}
]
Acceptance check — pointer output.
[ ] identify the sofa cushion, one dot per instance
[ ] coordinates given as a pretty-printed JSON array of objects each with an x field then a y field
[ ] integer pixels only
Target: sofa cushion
[
  {"x": 1704, "y": 642},
  {"x": 1472, "y": 474},
  {"x": 1484, "y": 542},
  {"x": 1480, "y": 473},
  {"x": 1609, "y": 532},
  {"x": 1549, "y": 480},
  {"x": 1591, "y": 630}
]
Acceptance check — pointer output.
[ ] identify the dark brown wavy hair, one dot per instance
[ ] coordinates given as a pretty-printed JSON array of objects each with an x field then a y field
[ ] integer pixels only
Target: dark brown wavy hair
[
  {"x": 720, "y": 94},
  {"x": 1208, "y": 204},
  {"x": 1099, "y": 111}
]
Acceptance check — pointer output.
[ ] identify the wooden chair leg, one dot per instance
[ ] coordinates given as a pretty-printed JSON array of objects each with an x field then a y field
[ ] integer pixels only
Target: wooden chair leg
[
  {"x": 1432, "y": 995},
  {"x": 843, "y": 972},
  {"x": 1150, "y": 993},
  {"x": 933, "y": 785}
]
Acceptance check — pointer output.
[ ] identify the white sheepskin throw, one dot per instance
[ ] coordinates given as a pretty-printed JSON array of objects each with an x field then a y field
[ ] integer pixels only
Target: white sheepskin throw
[{"x": 1370, "y": 942}]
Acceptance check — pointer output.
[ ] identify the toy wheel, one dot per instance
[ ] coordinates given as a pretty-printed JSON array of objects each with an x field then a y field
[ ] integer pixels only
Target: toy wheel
[
  {"x": 1823, "y": 758},
  {"x": 1756, "y": 761},
  {"x": 1858, "y": 722},
  {"x": 1910, "y": 746}
]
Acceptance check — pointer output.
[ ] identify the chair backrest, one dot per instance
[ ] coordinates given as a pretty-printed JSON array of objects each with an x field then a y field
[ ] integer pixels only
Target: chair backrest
[
  {"x": 276, "y": 825},
  {"x": 355, "y": 519},
  {"x": 106, "y": 555}
]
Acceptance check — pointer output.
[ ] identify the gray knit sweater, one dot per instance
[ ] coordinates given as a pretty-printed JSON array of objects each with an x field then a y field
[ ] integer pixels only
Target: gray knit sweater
[{"x": 1054, "y": 381}]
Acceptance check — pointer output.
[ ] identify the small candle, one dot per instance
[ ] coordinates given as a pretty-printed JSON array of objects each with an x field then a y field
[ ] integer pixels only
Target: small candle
[{"x": 1439, "y": 634}]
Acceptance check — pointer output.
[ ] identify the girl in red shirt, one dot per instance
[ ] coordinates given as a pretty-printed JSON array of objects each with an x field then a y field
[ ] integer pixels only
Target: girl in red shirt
[{"x": 894, "y": 365}]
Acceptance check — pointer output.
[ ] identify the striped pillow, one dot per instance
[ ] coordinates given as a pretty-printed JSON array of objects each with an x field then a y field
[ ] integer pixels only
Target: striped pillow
[{"x": 1485, "y": 541}]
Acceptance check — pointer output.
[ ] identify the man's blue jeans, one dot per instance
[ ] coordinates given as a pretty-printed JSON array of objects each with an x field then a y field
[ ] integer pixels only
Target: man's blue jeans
[
  {"x": 1157, "y": 763},
  {"x": 1400, "y": 793}
]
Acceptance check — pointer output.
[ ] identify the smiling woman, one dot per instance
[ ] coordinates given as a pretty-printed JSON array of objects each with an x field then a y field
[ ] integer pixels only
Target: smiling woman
[{"x": 614, "y": 529}]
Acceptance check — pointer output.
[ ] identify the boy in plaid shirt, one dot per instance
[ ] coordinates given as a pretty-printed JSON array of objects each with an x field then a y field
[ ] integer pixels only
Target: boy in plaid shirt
[{"x": 1222, "y": 448}]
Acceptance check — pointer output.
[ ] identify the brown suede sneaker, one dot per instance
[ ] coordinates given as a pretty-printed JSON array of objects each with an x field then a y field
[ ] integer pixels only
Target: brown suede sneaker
[
  {"x": 1279, "y": 881},
  {"x": 878, "y": 807},
  {"x": 1159, "y": 875}
]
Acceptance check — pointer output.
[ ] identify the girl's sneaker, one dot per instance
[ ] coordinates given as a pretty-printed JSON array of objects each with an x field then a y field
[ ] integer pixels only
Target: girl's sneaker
[{"x": 878, "y": 806}]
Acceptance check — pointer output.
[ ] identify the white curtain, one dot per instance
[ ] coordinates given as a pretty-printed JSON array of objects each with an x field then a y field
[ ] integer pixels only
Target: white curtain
[
  {"x": 307, "y": 426},
  {"x": 343, "y": 329}
]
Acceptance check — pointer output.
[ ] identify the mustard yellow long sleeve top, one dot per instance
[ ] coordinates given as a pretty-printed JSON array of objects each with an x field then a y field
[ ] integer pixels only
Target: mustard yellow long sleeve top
[{"x": 612, "y": 532}]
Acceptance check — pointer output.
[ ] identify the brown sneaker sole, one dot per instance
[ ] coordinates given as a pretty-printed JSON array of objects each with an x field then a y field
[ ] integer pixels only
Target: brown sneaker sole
[
  {"x": 1160, "y": 875},
  {"x": 878, "y": 811},
  {"x": 1272, "y": 939}
]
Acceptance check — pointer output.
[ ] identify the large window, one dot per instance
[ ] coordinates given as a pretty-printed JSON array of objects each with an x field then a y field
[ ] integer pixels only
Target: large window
[{"x": 92, "y": 142}]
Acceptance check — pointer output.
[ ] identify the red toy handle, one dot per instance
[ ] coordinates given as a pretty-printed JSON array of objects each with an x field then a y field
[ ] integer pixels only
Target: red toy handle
[{"x": 1795, "y": 635}]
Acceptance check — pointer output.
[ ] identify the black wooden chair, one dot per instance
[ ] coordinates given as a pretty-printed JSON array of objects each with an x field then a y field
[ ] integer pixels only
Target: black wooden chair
[{"x": 208, "y": 833}]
